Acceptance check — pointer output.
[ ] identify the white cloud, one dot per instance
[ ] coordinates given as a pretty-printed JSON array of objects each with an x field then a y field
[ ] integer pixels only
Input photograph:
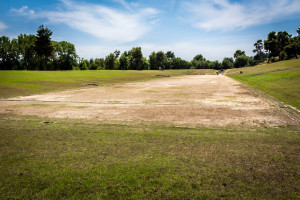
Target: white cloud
[
  {"x": 187, "y": 50},
  {"x": 2, "y": 26},
  {"x": 101, "y": 21},
  {"x": 184, "y": 50},
  {"x": 226, "y": 16},
  {"x": 24, "y": 11}
]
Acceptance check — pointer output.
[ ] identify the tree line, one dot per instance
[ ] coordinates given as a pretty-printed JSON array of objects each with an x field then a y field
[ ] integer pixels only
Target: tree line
[
  {"x": 36, "y": 52},
  {"x": 39, "y": 52}
]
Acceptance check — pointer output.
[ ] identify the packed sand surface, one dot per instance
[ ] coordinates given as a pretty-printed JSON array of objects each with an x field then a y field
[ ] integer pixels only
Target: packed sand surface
[{"x": 186, "y": 100}]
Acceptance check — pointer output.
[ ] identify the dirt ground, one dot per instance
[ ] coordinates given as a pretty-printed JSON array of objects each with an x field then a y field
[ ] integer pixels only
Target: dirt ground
[{"x": 188, "y": 100}]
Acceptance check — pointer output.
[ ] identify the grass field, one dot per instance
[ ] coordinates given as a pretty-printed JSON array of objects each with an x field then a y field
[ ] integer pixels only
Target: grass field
[
  {"x": 15, "y": 83},
  {"x": 281, "y": 79},
  {"x": 52, "y": 158},
  {"x": 72, "y": 159}
]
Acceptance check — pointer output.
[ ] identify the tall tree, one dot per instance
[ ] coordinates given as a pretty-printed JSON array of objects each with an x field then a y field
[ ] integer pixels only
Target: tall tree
[
  {"x": 170, "y": 55},
  {"x": 239, "y": 53},
  {"x": 199, "y": 57},
  {"x": 258, "y": 50},
  {"x": 65, "y": 55},
  {"x": 9, "y": 55},
  {"x": 241, "y": 61},
  {"x": 27, "y": 52},
  {"x": 124, "y": 63},
  {"x": 276, "y": 43},
  {"x": 152, "y": 61},
  {"x": 43, "y": 46},
  {"x": 135, "y": 58},
  {"x": 110, "y": 61},
  {"x": 227, "y": 63},
  {"x": 117, "y": 53},
  {"x": 160, "y": 60},
  {"x": 293, "y": 49},
  {"x": 271, "y": 45},
  {"x": 283, "y": 39},
  {"x": 198, "y": 61}
]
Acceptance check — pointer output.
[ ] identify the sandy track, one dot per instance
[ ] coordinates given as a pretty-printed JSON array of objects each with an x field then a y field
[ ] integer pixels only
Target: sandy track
[{"x": 190, "y": 100}]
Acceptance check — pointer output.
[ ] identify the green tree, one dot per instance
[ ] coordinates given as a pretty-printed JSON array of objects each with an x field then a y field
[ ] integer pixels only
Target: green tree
[
  {"x": 293, "y": 49},
  {"x": 199, "y": 57},
  {"x": 198, "y": 61},
  {"x": 227, "y": 63},
  {"x": 93, "y": 66},
  {"x": 83, "y": 64},
  {"x": 43, "y": 46},
  {"x": 64, "y": 55},
  {"x": 170, "y": 55},
  {"x": 259, "y": 46},
  {"x": 9, "y": 55},
  {"x": 241, "y": 61},
  {"x": 98, "y": 63},
  {"x": 152, "y": 61},
  {"x": 283, "y": 39},
  {"x": 110, "y": 61},
  {"x": 117, "y": 53},
  {"x": 160, "y": 60},
  {"x": 124, "y": 63},
  {"x": 239, "y": 53},
  {"x": 276, "y": 43},
  {"x": 145, "y": 63},
  {"x": 136, "y": 58},
  {"x": 283, "y": 55},
  {"x": 271, "y": 45},
  {"x": 28, "y": 57},
  {"x": 102, "y": 63}
]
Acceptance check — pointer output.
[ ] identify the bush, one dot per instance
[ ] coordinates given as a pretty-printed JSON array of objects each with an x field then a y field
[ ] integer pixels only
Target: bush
[
  {"x": 93, "y": 66},
  {"x": 227, "y": 63},
  {"x": 283, "y": 55},
  {"x": 241, "y": 61}
]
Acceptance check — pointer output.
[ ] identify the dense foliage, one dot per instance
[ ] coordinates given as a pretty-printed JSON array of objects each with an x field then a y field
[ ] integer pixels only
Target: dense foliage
[
  {"x": 39, "y": 52},
  {"x": 282, "y": 45}
]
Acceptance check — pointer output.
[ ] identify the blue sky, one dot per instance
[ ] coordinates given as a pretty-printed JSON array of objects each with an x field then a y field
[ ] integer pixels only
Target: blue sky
[{"x": 213, "y": 28}]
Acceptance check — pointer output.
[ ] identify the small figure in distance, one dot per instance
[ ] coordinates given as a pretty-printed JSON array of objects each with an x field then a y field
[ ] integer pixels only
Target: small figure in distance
[{"x": 241, "y": 72}]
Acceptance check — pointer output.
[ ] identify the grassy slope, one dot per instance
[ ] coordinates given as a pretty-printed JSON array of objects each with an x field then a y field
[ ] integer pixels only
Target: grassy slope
[
  {"x": 72, "y": 159},
  {"x": 15, "y": 83},
  {"x": 281, "y": 79}
]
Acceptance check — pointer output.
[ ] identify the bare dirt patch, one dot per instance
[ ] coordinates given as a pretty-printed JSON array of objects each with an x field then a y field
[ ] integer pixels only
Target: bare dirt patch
[{"x": 190, "y": 100}]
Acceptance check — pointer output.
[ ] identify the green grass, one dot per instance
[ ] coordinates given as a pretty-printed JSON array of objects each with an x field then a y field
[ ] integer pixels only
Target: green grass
[
  {"x": 15, "y": 83},
  {"x": 73, "y": 159},
  {"x": 280, "y": 79}
]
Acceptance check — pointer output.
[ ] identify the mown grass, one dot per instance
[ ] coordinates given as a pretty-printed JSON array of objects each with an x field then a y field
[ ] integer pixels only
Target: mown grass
[
  {"x": 280, "y": 79},
  {"x": 14, "y": 83},
  {"x": 73, "y": 159}
]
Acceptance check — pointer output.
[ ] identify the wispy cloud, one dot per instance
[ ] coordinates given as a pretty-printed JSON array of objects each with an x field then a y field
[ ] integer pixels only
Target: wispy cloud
[
  {"x": 24, "y": 11},
  {"x": 185, "y": 50},
  {"x": 2, "y": 26},
  {"x": 226, "y": 15},
  {"x": 117, "y": 25}
]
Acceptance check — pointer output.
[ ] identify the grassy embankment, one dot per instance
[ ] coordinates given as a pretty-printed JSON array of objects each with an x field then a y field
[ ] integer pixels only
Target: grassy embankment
[
  {"x": 15, "y": 83},
  {"x": 280, "y": 79},
  {"x": 75, "y": 159}
]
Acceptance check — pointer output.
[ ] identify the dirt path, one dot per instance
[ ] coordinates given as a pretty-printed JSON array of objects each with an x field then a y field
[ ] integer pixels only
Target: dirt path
[{"x": 191, "y": 100}]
